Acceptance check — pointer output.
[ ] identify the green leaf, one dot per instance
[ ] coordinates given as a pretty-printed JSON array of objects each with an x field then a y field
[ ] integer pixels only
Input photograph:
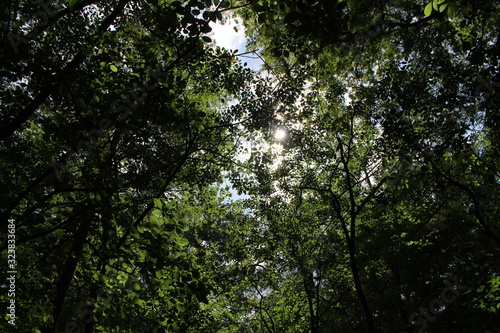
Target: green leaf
[
  {"x": 207, "y": 15},
  {"x": 155, "y": 219},
  {"x": 113, "y": 68},
  {"x": 72, "y": 4},
  {"x": 259, "y": 8},
  {"x": 442, "y": 8},
  {"x": 428, "y": 9},
  {"x": 176, "y": 4},
  {"x": 451, "y": 11},
  {"x": 225, "y": 4},
  {"x": 206, "y": 39},
  {"x": 158, "y": 203},
  {"x": 205, "y": 29},
  {"x": 181, "y": 241},
  {"x": 157, "y": 212}
]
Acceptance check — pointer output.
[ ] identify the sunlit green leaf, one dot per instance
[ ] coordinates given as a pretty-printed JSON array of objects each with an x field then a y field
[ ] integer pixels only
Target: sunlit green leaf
[
  {"x": 428, "y": 9},
  {"x": 158, "y": 203}
]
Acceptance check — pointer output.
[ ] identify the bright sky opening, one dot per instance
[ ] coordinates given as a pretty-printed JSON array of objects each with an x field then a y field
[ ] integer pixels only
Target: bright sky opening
[
  {"x": 280, "y": 134},
  {"x": 231, "y": 35}
]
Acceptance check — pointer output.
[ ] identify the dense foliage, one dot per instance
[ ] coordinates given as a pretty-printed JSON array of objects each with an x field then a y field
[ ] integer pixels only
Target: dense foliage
[{"x": 123, "y": 141}]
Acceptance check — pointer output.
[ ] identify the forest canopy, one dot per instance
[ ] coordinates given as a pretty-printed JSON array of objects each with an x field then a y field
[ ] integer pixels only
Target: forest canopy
[{"x": 151, "y": 182}]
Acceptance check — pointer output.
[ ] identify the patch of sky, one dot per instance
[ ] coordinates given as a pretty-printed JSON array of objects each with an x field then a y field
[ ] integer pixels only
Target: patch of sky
[{"x": 230, "y": 34}]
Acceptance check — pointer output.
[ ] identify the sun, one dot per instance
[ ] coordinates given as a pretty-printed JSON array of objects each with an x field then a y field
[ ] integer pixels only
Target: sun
[{"x": 280, "y": 134}]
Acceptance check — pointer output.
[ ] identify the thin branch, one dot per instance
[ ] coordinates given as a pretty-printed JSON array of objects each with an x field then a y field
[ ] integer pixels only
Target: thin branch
[{"x": 370, "y": 195}]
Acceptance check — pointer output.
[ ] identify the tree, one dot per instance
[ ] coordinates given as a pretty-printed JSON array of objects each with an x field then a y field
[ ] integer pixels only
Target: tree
[
  {"x": 106, "y": 108},
  {"x": 376, "y": 212},
  {"x": 398, "y": 163}
]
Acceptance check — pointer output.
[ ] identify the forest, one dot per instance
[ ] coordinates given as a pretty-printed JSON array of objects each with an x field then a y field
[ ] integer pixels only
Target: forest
[{"x": 152, "y": 182}]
